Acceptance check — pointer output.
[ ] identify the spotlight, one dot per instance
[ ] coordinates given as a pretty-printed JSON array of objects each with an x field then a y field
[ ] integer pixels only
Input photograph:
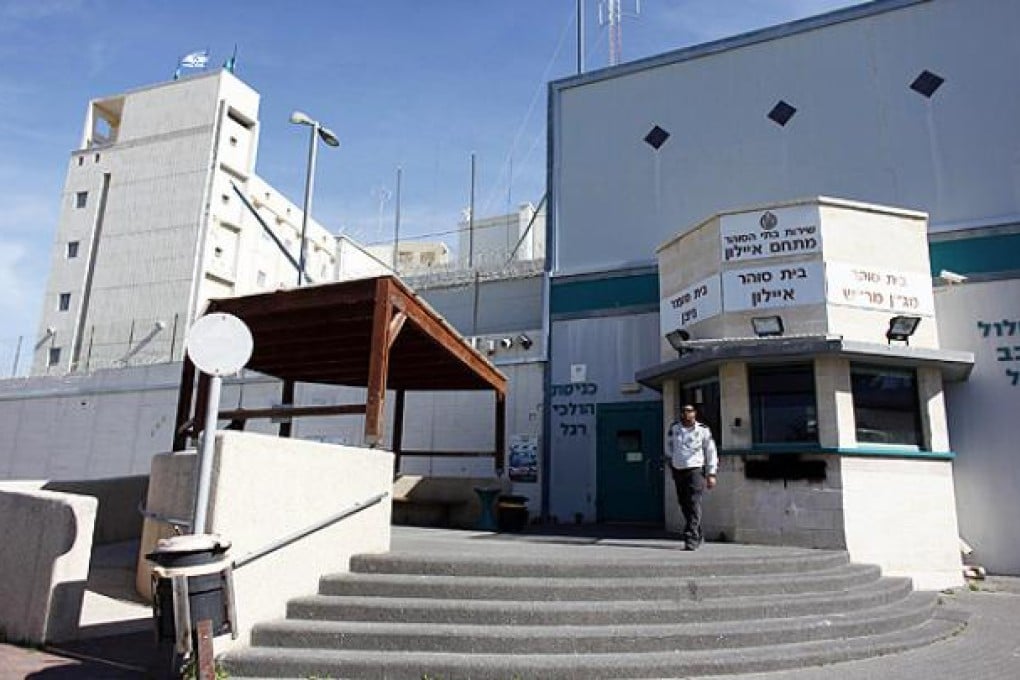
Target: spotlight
[
  {"x": 524, "y": 341},
  {"x": 677, "y": 338},
  {"x": 901, "y": 328},
  {"x": 490, "y": 347},
  {"x": 506, "y": 343},
  {"x": 767, "y": 326}
]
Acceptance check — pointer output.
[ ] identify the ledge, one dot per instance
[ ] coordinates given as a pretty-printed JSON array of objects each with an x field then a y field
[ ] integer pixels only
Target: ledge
[{"x": 859, "y": 451}]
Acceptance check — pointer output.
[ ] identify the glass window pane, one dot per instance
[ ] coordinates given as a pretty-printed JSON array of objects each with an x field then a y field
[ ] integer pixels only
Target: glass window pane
[
  {"x": 886, "y": 405},
  {"x": 783, "y": 404}
]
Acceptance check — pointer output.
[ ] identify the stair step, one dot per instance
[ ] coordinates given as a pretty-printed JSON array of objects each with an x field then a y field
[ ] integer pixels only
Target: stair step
[
  {"x": 594, "y": 612},
  {"x": 583, "y": 561},
  {"x": 575, "y": 639},
  {"x": 613, "y": 588},
  {"x": 291, "y": 662}
]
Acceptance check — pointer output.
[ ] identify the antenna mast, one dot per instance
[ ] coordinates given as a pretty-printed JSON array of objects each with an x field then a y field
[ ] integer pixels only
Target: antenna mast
[{"x": 611, "y": 13}]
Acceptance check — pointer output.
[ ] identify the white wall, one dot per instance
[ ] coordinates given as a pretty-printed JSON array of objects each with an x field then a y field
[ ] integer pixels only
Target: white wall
[
  {"x": 252, "y": 504},
  {"x": 983, "y": 414},
  {"x": 859, "y": 133}
]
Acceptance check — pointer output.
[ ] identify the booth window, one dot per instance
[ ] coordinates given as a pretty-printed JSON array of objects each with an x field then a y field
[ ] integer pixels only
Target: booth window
[
  {"x": 886, "y": 405},
  {"x": 783, "y": 409}
]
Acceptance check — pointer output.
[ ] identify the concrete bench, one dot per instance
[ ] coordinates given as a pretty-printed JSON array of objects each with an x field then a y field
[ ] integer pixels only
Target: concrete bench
[{"x": 449, "y": 502}]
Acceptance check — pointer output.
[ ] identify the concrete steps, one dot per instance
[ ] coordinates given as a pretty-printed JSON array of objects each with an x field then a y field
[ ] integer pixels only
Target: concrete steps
[{"x": 564, "y": 612}]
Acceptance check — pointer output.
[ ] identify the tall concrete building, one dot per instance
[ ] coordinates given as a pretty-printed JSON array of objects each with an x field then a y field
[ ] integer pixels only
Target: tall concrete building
[{"x": 151, "y": 227}]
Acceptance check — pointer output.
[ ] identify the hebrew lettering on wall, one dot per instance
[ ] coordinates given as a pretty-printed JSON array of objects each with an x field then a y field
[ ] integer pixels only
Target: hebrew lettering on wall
[
  {"x": 896, "y": 292},
  {"x": 573, "y": 409},
  {"x": 772, "y": 287},
  {"x": 999, "y": 335},
  {"x": 770, "y": 233}
]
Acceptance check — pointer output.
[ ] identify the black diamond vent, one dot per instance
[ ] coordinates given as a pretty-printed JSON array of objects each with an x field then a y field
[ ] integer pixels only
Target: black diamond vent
[
  {"x": 927, "y": 83},
  {"x": 656, "y": 137},
  {"x": 781, "y": 113}
]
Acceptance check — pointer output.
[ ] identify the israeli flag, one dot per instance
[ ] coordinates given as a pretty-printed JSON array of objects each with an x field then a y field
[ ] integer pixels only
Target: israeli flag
[{"x": 195, "y": 59}]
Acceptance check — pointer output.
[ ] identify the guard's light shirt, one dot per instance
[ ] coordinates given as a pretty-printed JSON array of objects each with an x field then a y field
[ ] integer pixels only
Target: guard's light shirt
[{"x": 692, "y": 447}]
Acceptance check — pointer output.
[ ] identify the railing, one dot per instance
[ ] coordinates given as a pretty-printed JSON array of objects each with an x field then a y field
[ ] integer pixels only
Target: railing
[{"x": 281, "y": 542}]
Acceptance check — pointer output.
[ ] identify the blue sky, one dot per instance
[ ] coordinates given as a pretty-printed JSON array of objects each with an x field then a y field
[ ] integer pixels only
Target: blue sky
[{"x": 419, "y": 84}]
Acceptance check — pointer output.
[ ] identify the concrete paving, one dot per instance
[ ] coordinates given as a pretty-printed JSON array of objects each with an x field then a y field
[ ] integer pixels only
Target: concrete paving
[{"x": 118, "y": 640}]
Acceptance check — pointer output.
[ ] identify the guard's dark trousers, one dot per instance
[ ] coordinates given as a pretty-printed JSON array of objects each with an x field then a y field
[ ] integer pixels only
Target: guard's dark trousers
[{"x": 690, "y": 484}]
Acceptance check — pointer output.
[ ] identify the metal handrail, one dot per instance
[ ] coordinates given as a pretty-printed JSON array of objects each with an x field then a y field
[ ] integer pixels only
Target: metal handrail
[
  {"x": 160, "y": 518},
  {"x": 318, "y": 526}
]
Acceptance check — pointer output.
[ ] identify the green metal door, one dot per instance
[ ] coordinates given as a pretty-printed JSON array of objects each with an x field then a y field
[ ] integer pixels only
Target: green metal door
[{"x": 629, "y": 462}]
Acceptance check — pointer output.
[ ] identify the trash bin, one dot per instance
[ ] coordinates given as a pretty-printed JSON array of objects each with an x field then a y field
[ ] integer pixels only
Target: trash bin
[
  {"x": 512, "y": 513},
  {"x": 192, "y": 581}
]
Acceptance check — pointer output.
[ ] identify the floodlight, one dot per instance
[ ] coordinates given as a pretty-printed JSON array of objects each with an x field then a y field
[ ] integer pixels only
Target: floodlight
[
  {"x": 767, "y": 326},
  {"x": 677, "y": 338},
  {"x": 524, "y": 341},
  {"x": 901, "y": 328}
]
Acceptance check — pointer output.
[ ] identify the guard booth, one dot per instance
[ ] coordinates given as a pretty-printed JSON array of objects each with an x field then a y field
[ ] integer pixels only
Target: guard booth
[{"x": 806, "y": 333}]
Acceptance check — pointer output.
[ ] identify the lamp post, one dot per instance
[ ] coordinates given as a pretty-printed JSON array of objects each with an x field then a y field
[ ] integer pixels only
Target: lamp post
[{"x": 317, "y": 130}]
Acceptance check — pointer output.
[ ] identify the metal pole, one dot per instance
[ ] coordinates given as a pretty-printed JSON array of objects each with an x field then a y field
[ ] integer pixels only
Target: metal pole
[
  {"x": 205, "y": 459},
  {"x": 396, "y": 228},
  {"x": 580, "y": 37},
  {"x": 471, "y": 217},
  {"x": 17, "y": 356},
  {"x": 309, "y": 181}
]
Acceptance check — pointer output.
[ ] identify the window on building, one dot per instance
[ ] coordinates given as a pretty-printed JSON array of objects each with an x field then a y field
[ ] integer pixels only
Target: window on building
[
  {"x": 886, "y": 405},
  {"x": 72, "y": 249},
  {"x": 260, "y": 279},
  {"x": 96, "y": 158},
  {"x": 233, "y": 141},
  {"x": 81, "y": 199},
  {"x": 54, "y": 356},
  {"x": 783, "y": 408},
  {"x": 81, "y": 160},
  {"x": 64, "y": 303}
]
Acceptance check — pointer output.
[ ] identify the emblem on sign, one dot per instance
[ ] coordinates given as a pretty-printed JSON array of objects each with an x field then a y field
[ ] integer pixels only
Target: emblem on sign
[{"x": 768, "y": 221}]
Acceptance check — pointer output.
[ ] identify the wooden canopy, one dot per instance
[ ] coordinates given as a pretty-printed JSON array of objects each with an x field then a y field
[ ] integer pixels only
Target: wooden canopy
[{"x": 373, "y": 333}]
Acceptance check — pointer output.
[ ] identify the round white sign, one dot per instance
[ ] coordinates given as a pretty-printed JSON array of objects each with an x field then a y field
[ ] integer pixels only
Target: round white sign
[{"x": 219, "y": 344}]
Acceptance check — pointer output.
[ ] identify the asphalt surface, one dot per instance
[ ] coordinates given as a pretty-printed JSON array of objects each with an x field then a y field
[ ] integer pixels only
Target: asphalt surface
[{"x": 123, "y": 646}]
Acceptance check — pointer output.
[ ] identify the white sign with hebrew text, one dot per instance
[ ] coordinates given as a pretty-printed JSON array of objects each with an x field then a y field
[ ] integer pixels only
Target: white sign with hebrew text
[
  {"x": 770, "y": 233},
  {"x": 873, "y": 288},
  {"x": 773, "y": 287}
]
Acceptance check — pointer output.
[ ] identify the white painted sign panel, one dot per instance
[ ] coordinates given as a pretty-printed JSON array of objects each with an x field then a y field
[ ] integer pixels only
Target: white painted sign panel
[
  {"x": 697, "y": 302},
  {"x": 770, "y": 233},
  {"x": 883, "y": 289},
  {"x": 773, "y": 286}
]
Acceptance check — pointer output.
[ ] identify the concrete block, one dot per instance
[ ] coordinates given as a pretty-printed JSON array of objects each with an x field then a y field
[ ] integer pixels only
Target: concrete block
[
  {"x": 47, "y": 544},
  {"x": 265, "y": 488}
]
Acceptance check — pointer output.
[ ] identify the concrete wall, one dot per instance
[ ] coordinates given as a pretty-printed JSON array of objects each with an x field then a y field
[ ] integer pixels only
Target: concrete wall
[
  {"x": 264, "y": 488},
  {"x": 608, "y": 351},
  {"x": 901, "y": 515},
  {"x": 983, "y": 416},
  {"x": 824, "y": 265},
  {"x": 859, "y": 132},
  {"x": 44, "y": 563}
]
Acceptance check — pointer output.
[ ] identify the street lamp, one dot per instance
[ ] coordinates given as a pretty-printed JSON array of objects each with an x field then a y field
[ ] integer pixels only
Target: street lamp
[{"x": 299, "y": 118}]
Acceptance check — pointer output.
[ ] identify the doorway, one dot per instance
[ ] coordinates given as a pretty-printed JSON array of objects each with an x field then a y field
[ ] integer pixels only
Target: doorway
[{"x": 629, "y": 469}]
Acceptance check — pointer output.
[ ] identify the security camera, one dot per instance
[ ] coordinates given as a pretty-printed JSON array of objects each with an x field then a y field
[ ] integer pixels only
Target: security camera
[
  {"x": 524, "y": 341},
  {"x": 50, "y": 330},
  {"x": 159, "y": 325},
  {"x": 506, "y": 343},
  {"x": 951, "y": 277}
]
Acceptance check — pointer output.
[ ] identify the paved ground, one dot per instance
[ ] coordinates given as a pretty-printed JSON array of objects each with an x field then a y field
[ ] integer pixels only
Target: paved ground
[{"x": 120, "y": 642}]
